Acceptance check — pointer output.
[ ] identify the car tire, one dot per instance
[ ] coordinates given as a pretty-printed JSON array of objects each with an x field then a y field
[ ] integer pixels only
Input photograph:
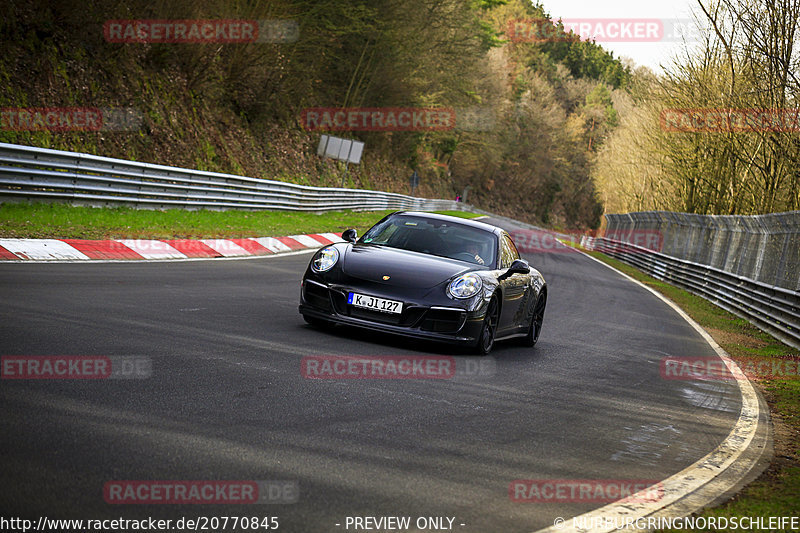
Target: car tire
[
  {"x": 537, "y": 319},
  {"x": 488, "y": 329}
]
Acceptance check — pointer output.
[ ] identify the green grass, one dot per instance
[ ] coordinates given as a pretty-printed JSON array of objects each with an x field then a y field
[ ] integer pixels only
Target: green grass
[
  {"x": 70, "y": 222},
  {"x": 62, "y": 221},
  {"x": 777, "y": 491}
]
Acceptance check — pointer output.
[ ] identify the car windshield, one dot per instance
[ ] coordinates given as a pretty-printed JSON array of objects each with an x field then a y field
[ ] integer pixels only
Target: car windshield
[{"x": 432, "y": 236}]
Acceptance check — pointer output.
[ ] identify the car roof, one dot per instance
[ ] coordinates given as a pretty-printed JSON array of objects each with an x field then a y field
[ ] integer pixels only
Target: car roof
[{"x": 464, "y": 221}]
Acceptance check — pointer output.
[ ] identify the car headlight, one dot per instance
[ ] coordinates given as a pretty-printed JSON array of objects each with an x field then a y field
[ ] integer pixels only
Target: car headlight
[
  {"x": 465, "y": 286},
  {"x": 325, "y": 259}
]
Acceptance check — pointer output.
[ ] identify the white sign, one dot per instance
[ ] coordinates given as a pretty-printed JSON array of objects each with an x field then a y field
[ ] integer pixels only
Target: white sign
[
  {"x": 323, "y": 142},
  {"x": 355, "y": 152},
  {"x": 332, "y": 150},
  {"x": 344, "y": 149}
]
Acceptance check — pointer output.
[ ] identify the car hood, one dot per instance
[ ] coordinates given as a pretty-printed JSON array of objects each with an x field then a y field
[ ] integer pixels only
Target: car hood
[{"x": 404, "y": 268}]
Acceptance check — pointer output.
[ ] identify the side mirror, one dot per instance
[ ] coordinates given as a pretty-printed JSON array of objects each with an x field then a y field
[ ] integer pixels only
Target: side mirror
[
  {"x": 519, "y": 266},
  {"x": 350, "y": 235}
]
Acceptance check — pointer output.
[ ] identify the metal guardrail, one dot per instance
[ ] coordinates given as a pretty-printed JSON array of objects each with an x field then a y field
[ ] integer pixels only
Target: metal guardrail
[
  {"x": 773, "y": 309},
  {"x": 29, "y": 173},
  {"x": 763, "y": 248}
]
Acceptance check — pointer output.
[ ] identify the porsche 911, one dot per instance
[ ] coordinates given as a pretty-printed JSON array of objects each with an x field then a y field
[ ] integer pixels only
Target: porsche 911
[{"x": 427, "y": 276}]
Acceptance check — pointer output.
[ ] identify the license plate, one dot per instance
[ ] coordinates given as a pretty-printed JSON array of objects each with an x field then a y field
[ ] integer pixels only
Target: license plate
[{"x": 376, "y": 304}]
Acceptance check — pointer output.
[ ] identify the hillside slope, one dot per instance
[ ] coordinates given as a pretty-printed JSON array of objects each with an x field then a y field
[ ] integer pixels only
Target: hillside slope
[{"x": 543, "y": 108}]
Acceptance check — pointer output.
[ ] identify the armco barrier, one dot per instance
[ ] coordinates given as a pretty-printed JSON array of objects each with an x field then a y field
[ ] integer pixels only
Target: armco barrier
[
  {"x": 29, "y": 173},
  {"x": 764, "y": 248},
  {"x": 773, "y": 309}
]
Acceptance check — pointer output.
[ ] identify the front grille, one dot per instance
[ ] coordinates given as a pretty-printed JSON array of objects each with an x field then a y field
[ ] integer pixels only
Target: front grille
[
  {"x": 410, "y": 316},
  {"x": 413, "y": 316},
  {"x": 339, "y": 302},
  {"x": 443, "y": 320},
  {"x": 375, "y": 316},
  {"x": 316, "y": 296}
]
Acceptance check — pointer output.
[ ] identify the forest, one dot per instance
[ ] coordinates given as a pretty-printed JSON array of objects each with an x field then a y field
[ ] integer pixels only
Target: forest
[
  {"x": 539, "y": 111},
  {"x": 554, "y": 131},
  {"x": 743, "y": 72}
]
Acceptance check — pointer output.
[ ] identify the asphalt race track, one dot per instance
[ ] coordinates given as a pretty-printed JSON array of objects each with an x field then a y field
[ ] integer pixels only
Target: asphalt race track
[{"x": 227, "y": 401}]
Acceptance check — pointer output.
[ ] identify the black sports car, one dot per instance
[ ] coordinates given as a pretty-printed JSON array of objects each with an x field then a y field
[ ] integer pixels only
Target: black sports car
[{"x": 429, "y": 276}]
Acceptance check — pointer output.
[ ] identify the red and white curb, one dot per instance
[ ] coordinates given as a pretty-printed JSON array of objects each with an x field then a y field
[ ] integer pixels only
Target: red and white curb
[{"x": 136, "y": 249}]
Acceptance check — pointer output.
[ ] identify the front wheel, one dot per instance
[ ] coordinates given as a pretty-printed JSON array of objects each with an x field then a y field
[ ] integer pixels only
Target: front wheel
[
  {"x": 489, "y": 329},
  {"x": 537, "y": 319}
]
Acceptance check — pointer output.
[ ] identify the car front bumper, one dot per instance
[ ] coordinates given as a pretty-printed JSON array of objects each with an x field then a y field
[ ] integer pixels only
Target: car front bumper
[{"x": 419, "y": 320}]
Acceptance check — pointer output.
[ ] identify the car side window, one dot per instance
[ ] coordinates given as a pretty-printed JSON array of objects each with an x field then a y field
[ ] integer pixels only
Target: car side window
[
  {"x": 512, "y": 247},
  {"x": 507, "y": 252},
  {"x": 383, "y": 236}
]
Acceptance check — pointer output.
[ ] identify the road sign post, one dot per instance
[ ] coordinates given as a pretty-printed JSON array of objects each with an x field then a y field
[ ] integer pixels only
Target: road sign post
[
  {"x": 346, "y": 150},
  {"x": 414, "y": 182}
]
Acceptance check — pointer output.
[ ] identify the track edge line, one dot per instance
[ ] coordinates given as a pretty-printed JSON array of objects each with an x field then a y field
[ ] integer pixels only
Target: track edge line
[{"x": 687, "y": 491}]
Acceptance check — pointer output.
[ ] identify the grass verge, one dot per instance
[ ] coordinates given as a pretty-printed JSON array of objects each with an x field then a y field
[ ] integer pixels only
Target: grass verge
[
  {"x": 62, "y": 221},
  {"x": 777, "y": 491},
  {"x": 59, "y": 221}
]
